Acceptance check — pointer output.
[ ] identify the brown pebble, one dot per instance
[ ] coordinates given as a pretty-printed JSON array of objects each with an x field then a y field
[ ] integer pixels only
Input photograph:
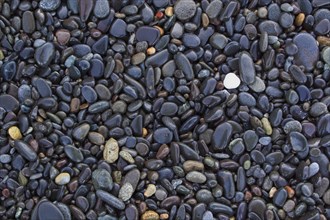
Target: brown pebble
[
  {"x": 323, "y": 41},
  {"x": 290, "y": 191},
  {"x": 63, "y": 36},
  {"x": 205, "y": 20},
  {"x": 151, "y": 51}
]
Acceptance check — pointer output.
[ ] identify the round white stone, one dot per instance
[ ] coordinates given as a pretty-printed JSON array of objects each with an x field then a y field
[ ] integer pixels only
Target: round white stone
[{"x": 231, "y": 81}]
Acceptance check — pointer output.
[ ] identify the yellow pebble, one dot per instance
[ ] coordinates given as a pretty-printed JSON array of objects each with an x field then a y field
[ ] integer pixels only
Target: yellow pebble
[
  {"x": 14, "y": 133},
  {"x": 161, "y": 30},
  {"x": 126, "y": 156},
  {"x": 299, "y": 19},
  {"x": 266, "y": 125},
  {"x": 1, "y": 55},
  {"x": 164, "y": 216},
  {"x": 150, "y": 215},
  {"x": 151, "y": 50},
  {"x": 169, "y": 11},
  {"x": 151, "y": 189},
  {"x": 144, "y": 132}
]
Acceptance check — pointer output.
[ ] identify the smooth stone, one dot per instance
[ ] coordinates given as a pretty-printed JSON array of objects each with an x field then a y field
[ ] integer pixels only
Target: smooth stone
[
  {"x": 280, "y": 197},
  {"x": 47, "y": 209},
  {"x": 184, "y": 9},
  {"x": 89, "y": 94},
  {"x": 98, "y": 107},
  {"x": 111, "y": 151},
  {"x": 110, "y": 199},
  {"x": 149, "y": 34},
  {"x": 138, "y": 58},
  {"x": 45, "y": 54},
  {"x": 246, "y": 68},
  {"x": 49, "y": 5},
  {"x": 158, "y": 59},
  {"x": 247, "y": 99},
  {"x": 308, "y": 52},
  {"x": 28, "y": 22},
  {"x": 8, "y": 70},
  {"x": 9, "y": 103},
  {"x": 85, "y": 9},
  {"x": 126, "y": 192},
  {"x": 177, "y": 30},
  {"x": 226, "y": 179},
  {"x": 43, "y": 87},
  {"x": 190, "y": 40},
  {"x": 271, "y": 27},
  {"x": 222, "y": 136},
  {"x": 74, "y": 153},
  {"x": 326, "y": 55},
  {"x": 97, "y": 68},
  {"x": 258, "y": 85},
  {"x": 163, "y": 135},
  {"x": 118, "y": 28},
  {"x": 101, "y": 8},
  {"x": 318, "y": 109},
  {"x": 196, "y": 177},
  {"x": 25, "y": 150},
  {"x": 218, "y": 41},
  {"x": 297, "y": 74},
  {"x": 102, "y": 179},
  {"x": 298, "y": 141},
  {"x": 217, "y": 208},
  {"x": 213, "y": 9},
  {"x": 169, "y": 109},
  {"x": 250, "y": 139},
  {"x": 96, "y": 138},
  {"x": 204, "y": 196},
  {"x": 286, "y": 20},
  {"x": 81, "y": 131},
  {"x": 183, "y": 64},
  {"x": 62, "y": 179}
]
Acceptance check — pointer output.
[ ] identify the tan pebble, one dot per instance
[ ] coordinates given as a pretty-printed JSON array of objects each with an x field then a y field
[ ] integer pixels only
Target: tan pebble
[
  {"x": 169, "y": 11},
  {"x": 144, "y": 132},
  {"x": 1, "y": 55},
  {"x": 164, "y": 216},
  {"x": 111, "y": 151},
  {"x": 151, "y": 189},
  {"x": 151, "y": 51},
  {"x": 323, "y": 41},
  {"x": 150, "y": 215},
  {"x": 126, "y": 192},
  {"x": 299, "y": 19},
  {"x": 126, "y": 156},
  {"x": 117, "y": 176},
  {"x": 205, "y": 20},
  {"x": 62, "y": 179},
  {"x": 161, "y": 30},
  {"x": 14, "y": 133},
  {"x": 266, "y": 125},
  {"x": 191, "y": 165},
  {"x": 272, "y": 192}
]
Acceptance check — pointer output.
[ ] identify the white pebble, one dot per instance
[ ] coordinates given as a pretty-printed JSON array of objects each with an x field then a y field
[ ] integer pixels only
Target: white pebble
[{"x": 231, "y": 81}]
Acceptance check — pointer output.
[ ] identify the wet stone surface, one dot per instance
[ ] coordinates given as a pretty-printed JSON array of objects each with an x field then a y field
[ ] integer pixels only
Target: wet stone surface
[{"x": 164, "y": 109}]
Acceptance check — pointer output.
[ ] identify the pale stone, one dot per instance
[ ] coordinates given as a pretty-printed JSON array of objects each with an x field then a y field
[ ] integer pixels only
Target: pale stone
[{"x": 231, "y": 81}]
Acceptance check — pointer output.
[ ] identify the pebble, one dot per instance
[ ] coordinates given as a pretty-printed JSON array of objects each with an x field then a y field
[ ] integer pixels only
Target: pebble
[
  {"x": 25, "y": 150},
  {"x": 111, "y": 151},
  {"x": 118, "y": 28},
  {"x": 150, "y": 215},
  {"x": 184, "y": 9},
  {"x": 44, "y": 54},
  {"x": 28, "y": 22},
  {"x": 15, "y": 133},
  {"x": 218, "y": 41},
  {"x": 62, "y": 179},
  {"x": 8, "y": 70},
  {"x": 222, "y": 135},
  {"x": 50, "y": 5},
  {"x": 110, "y": 199},
  {"x": 213, "y": 9},
  {"x": 81, "y": 131},
  {"x": 151, "y": 190},
  {"x": 326, "y": 55},
  {"x": 102, "y": 179},
  {"x": 246, "y": 68},
  {"x": 101, "y": 8},
  {"x": 149, "y": 34},
  {"x": 306, "y": 44},
  {"x": 196, "y": 177}
]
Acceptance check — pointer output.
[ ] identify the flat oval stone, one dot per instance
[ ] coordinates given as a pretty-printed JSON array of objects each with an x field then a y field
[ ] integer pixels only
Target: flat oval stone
[
  {"x": 218, "y": 41},
  {"x": 308, "y": 51},
  {"x": 9, "y": 103},
  {"x": 196, "y": 177},
  {"x": 214, "y": 9},
  {"x": 149, "y": 34},
  {"x": 44, "y": 54},
  {"x": 271, "y": 27},
  {"x": 25, "y": 150},
  {"x": 85, "y": 9},
  {"x": 74, "y": 153},
  {"x": 169, "y": 109},
  {"x": 28, "y": 22},
  {"x": 89, "y": 94},
  {"x": 163, "y": 135},
  {"x": 246, "y": 68},
  {"x": 102, "y": 179},
  {"x": 280, "y": 197},
  {"x": 190, "y": 40},
  {"x": 110, "y": 199},
  {"x": 46, "y": 209},
  {"x": 222, "y": 136},
  {"x": 43, "y": 87}
]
